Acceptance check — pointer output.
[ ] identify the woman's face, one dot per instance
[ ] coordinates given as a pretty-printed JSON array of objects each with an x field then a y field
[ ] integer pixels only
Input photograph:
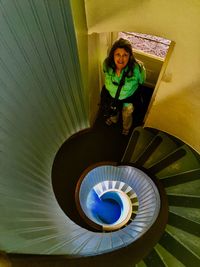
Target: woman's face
[{"x": 121, "y": 58}]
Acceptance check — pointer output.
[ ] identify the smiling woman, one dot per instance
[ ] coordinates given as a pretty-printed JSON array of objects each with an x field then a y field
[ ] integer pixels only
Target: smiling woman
[
  {"x": 121, "y": 58},
  {"x": 121, "y": 65}
]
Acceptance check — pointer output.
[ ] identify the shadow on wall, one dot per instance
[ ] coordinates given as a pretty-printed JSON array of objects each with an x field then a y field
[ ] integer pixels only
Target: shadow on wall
[
  {"x": 94, "y": 78},
  {"x": 108, "y": 13},
  {"x": 175, "y": 115},
  {"x": 4, "y": 261}
]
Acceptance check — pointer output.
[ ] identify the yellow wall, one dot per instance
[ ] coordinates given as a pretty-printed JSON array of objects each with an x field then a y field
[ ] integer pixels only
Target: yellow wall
[
  {"x": 153, "y": 67},
  {"x": 98, "y": 46},
  {"x": 94, "y": 78},
  {"x": 92, "y": 50},
  {"x": 80, "y": 25},
  {"x": 176, "y": 108},
  {"x": 4, "y": 261}
]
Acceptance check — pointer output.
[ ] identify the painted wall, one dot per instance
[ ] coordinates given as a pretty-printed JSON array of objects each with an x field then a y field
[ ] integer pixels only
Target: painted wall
[
  {"x": 4, "y": 260},
  {"x": 80, "y": 26},
  {"x": 153, "y": 67},
  {"x": 93, "y": 74},
  {"x": 176, "y": 107},
  {"x": 98, "y": 45}
]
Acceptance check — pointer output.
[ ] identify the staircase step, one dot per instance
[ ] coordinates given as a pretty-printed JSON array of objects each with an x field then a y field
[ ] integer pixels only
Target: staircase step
[
  {"x": 166, "y": 164},
  {"x": 86, "y": 244},
  {"x": 180, "y": 160},
  {"x": 164, "y": 147},
  {"x": 184, "y": 224},
  {"x": 148, "y": 151},
  {"x": 153, "y": 259},
  {"x": 139, "y": 140},
  {"x": 70, "y": 244},
  {"x": 179, "y": 250},
  {"x": 141, "y": 264},
  {"x": 188, "y": 240},
  {"x": 191, "y": 214},
  {"x": 181, "y": 178},
  {"x": 190, "y": 188},
  {"x": 184, "y": 201},
  {"x": 106, "y": 242},
  {"x": 168, "y": 258}
]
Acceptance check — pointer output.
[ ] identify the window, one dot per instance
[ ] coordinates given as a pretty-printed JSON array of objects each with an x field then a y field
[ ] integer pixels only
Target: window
[{"x": 149, "y": 44}]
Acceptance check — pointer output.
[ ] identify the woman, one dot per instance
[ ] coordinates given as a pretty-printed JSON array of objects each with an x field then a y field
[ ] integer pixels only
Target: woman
[{"x": 120, "y": 60}]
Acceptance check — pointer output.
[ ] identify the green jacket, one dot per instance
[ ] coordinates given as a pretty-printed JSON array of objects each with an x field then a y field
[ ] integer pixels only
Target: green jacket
[{"x": 131, "y": 83}]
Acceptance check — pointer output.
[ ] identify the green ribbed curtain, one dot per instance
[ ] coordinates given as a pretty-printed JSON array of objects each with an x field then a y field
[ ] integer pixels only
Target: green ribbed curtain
[{"x": 41, "y": 105}]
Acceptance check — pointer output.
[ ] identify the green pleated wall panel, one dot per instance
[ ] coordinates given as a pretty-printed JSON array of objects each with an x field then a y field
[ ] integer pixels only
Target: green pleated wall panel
[{"x": 42, "y": 103}]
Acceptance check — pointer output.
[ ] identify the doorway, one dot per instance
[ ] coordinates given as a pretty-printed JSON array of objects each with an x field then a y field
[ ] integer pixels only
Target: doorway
[{"x": 154, "y": 52}]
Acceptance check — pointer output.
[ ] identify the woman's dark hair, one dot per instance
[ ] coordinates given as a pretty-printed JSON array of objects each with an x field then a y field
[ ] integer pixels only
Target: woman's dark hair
[{"x": 120, "y": 43}]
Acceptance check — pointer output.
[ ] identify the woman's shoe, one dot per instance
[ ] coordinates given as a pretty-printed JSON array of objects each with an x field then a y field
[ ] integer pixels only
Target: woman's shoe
[
  {"x": 109, "y": 122},
  {"x": 125, "y": 131}
]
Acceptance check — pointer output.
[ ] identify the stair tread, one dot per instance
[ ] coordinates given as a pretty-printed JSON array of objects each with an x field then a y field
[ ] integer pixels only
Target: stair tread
[
  {"x": 165, "y": 147},
  {"x": 180, "y": 160},
  {"x": 190, "y": 188},
  {"x": 188, "y": 213},
  {"x": 177, "y": 248},
  {"x": 167, "y": 257},
  {"x": 188, "y": 240},
  {"x": 184, "y": 224},
  {"x": 153, "y": 259},
  {"x": 139, "y": 139},
  {"x": 180, "y": 178},
  {"x": 141, "y": 264},
  {"x": 183, "y": 200}
]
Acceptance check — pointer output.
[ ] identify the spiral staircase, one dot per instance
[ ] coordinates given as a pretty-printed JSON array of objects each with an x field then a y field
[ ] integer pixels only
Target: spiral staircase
[
  {"x": 42, "y": 104},
  {"x": 176, "y": 166},
  {"x": 160, "y": 175},
  {"x": 172, "y": 237}
]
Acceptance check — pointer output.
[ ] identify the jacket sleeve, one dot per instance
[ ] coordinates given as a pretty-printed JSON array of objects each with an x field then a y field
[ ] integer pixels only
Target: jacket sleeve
[
  {"x": 142, "y": 75},
  {"x": 112, "y": 88}
]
